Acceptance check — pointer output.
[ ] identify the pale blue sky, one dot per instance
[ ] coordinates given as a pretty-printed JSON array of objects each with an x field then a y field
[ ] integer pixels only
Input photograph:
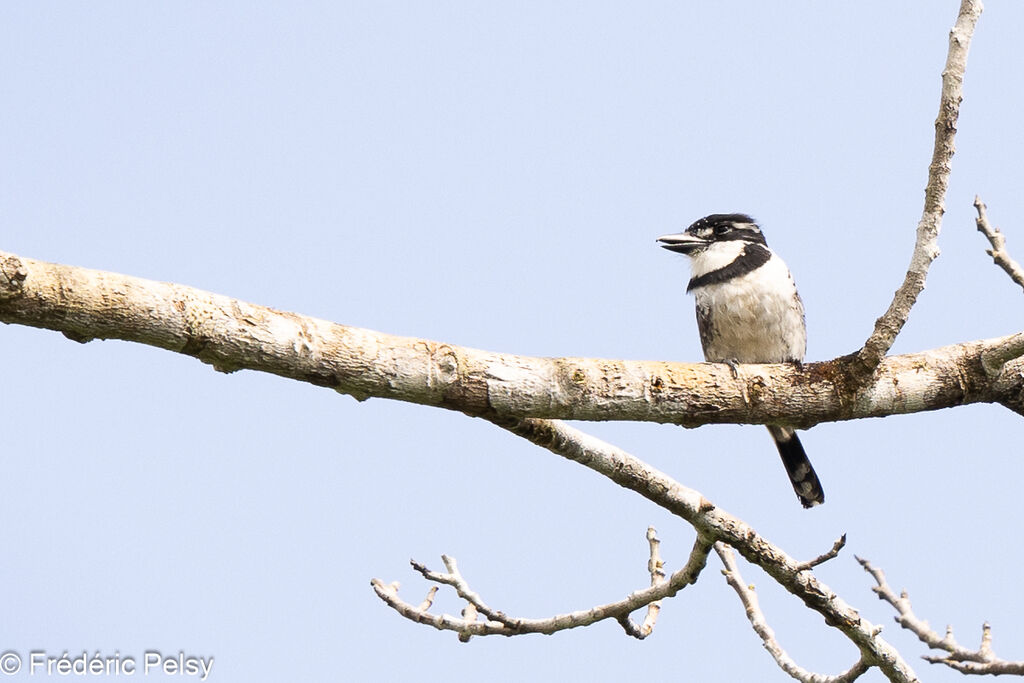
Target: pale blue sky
[{"x": 492, "y": 175}]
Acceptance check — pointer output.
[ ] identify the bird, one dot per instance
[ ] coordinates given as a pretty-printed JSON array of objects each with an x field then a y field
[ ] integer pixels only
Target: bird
[{"x": 748, "y": 311}]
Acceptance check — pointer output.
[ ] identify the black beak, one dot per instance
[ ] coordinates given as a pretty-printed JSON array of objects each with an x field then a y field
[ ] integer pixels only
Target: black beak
[{"x": 683, "y": 243}]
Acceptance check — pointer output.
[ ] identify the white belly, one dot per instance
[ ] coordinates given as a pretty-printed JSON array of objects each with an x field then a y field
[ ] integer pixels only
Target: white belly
[{"x": 755, "y": 318}]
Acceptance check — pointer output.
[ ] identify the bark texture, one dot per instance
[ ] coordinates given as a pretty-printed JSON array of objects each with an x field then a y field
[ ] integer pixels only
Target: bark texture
[{"x": 231, "y": 335}]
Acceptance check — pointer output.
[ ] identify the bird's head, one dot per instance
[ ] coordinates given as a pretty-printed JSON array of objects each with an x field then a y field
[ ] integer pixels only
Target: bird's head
[{"x": 714, "y": 229}]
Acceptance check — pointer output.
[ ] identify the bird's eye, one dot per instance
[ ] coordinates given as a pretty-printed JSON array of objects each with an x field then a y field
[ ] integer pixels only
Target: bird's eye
[{"x": 722, "y": 228}]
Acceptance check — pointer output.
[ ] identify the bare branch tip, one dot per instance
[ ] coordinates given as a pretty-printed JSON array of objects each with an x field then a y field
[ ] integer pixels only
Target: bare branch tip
[
  {"x": 999, "y": 254},
  {"x": 824, "y": 557},
  {"x": 428, "y": 601}
]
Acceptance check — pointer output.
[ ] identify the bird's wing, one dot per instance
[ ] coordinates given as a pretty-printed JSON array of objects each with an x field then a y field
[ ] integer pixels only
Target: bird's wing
[{"x": 705, "y": 325}]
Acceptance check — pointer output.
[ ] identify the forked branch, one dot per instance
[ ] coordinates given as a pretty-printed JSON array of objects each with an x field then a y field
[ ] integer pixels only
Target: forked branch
[
  {"x": 498, "y": 623},
  {"x": 1004, "y": 366},
  {"x": 966, "y": 661},
  {"x": 717, "y": 525},
  {"x": 926, "y": 247},
  {"x": 760, "y": 625},
  {"x": 519, "y": 393}
]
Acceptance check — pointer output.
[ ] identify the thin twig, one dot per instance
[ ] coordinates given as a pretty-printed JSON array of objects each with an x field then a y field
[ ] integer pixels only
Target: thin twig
[
  {"x": 980, "y": 661},
  {"x": 760, "y": 625},
  {"x": 926, "y": 248},
  {"x": 428, "y": 601},
  {"x": 656, "y": 568},
  {"x": 998, "y": 252},
  {"x": 824, "y": 557},
  {"x": 714, "y": 523},
  {"x": 499, "y": 623}
]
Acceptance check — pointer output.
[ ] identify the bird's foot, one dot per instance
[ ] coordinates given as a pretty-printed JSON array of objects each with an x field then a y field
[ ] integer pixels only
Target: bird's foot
[{"x": 734, "y": 366}]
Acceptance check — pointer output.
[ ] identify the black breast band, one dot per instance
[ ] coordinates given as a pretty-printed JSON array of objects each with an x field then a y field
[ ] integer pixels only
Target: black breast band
[{"x": 750, "y": 259}]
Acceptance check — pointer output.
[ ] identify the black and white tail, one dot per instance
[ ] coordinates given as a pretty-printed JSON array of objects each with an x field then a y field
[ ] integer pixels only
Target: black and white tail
[{"x": 798, "y": 467}]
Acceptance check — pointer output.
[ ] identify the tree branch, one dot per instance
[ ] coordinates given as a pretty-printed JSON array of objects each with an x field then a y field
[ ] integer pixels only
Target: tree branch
[
  {"x": 231, "y": 335},
  {"x": 998, "y": 252},
  {"x": 760, "y": 625},
  {"x": 714, "y": 524},
  {"x": 656, "y": 568},
  {"x": 825, "y": 556},
  {"x": 980, "y": 661},
  {"x": 518, "y": 394},
  {"x": 499, "y": 623},
  {"x": 926, "y": 248}
]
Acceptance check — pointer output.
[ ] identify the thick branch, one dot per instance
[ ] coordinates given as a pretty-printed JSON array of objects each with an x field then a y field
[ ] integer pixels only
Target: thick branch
[
  {"x": 230, "y": 335},
  {"x": 926, "y": 248}
]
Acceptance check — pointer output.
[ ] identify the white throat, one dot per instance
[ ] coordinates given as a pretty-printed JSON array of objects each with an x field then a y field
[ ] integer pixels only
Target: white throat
[{"x": 716, "y": 255}]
